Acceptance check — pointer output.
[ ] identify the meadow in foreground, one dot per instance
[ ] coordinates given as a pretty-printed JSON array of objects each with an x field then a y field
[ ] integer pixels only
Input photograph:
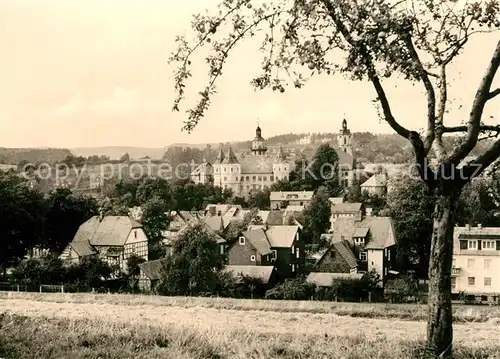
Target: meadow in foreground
[{"x": 114, "y": 326}]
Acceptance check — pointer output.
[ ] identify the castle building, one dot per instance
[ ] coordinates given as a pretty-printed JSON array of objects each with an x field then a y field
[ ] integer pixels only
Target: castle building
[{"x": 258, "y": 170}]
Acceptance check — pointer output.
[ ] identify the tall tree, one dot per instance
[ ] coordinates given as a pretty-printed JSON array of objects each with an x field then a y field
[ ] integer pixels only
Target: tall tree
[
  {"x": 477, "y": 205},
  {"x": 155, "y": 220},
  {"x": 65, "y": 212},
  {"x": 410, "y": 205},
  {"x": 260, "y": 199},
  {"x": 380, "y": 39},
  {"x": 22, "y": 221},
  {"x": 194, "y": 266},
  {"x": 316, "y": 219}
]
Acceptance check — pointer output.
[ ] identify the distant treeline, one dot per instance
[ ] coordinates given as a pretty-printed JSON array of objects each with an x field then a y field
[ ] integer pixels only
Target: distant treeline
[{"x": 368, "y": 147}]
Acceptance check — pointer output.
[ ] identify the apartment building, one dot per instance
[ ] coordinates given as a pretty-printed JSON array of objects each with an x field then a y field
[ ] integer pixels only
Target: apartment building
[{"x": 476, "y": 261}]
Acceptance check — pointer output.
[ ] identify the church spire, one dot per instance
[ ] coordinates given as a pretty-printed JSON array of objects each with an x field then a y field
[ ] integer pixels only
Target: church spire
[{"x": 280, "y": 156}]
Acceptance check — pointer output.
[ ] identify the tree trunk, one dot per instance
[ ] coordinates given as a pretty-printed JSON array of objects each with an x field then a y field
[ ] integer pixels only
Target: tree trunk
[{"x": 439, "y": 325}]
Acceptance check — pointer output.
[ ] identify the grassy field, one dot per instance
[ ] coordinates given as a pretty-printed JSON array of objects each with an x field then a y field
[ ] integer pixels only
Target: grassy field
[{"x": 126, "y": 326}]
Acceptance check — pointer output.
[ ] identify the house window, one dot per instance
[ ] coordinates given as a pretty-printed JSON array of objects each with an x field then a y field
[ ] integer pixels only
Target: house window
[
  {"x": 471, "y": 281},
  {"x": 472, "y": 245},
  {"x": 271, "y": 178},
  {"x": 293, "y": 268},
  {"x": 242, "y": 241},
  {"x": 237, "y": 178},
  {"x": 225, "y": 178},
  {"x": 265, "y": 178},
  {"x": 386, "y": 271},
  {"x": 470, "y": 263},
  {"x": 453, "y": 282},
  {"x": 248, "y": 178},
  {"x": 487, "y": 281},
  {"x": 388, "y": 255},
  {"x": 253, "y": 177},
  {"x": 275, "y": 254},
  {"x": 297, "y": 255},
  {"x": 359, "y": 240},
  {"x": 301, "y": 203},
  {"x": 488, "y": 245},
  {"x": 363, "y": 257},
  {"x": 293, "y": 249},
  {"x": 332, "y": 254},
  {"x": 259, "y": 178},
  {"x": 252, "y": 258},
  {"x": 487, "y": 263},
  {"x": 135, "y": 234},
  {"x": 221, "y": 249}
]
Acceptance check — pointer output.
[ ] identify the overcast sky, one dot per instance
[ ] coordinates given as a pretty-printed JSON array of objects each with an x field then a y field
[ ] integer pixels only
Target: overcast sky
[{"x": 94, "y": 73}]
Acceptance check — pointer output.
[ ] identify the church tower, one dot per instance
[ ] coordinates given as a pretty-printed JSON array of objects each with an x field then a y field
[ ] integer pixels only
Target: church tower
[
  {"x": 258, "y": 143},
  {"x": 344, "y": 139}
]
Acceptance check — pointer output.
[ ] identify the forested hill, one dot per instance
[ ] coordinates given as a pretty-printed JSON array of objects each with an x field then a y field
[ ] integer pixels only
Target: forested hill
[
  {"x": 369, "y": 147},
  {"x": 14, "y": 156}
]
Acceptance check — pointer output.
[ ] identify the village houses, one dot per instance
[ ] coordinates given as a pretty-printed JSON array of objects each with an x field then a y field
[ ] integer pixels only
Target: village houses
[{"x": 112, "y": 238}]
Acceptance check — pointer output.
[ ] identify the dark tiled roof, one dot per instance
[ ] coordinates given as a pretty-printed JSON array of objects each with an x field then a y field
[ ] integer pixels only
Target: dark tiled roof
[
  {"x": 346, "y": 253},
  {"x": 230, "y": 157},
  {"x": 258, "y": 239},
  {"x": 346, "y": 207},
  {"x": 82, "y": 248}
]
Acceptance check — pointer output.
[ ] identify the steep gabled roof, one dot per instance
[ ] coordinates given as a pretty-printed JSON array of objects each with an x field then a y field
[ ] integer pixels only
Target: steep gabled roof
[
  {"x": 342, "y": 249},
  {"x": 152, "y": 269},
  {"x": 220, "y": 156},
  {"x": 380, "y": 231},
  {"x": 110, "y": 231},
  {"x": 346, "y": 253},
  {"x": 263, "y": 273},
  {"x": 82, "y": 248},
  {"x": 258, "y": 240},
  {"x": 281, "y": 236},
  {"x": 230, "y": 157}
]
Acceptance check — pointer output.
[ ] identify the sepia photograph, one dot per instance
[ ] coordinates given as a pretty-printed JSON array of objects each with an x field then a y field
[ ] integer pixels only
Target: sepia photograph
[{"x": 250, "y": 179}]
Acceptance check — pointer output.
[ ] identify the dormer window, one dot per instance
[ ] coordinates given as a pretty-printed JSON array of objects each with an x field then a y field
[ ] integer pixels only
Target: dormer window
[
  {"x": 242, "y": 241},
  {"x": 359, "y": 240},
  {"x": 472, "y": 244}
]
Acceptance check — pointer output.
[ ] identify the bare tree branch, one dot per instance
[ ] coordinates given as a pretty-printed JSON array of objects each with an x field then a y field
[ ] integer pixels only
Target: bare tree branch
[
  {"x": 382, "y": 97},
  {"x": 494, "y": 93},
  {"x": 480, "y": 164},
  {"x": 441, "y": 110},
  {"x": 431, "y": 95},
  {"x": 482, "y": 128},
  {"x": 482, "y": 96}
]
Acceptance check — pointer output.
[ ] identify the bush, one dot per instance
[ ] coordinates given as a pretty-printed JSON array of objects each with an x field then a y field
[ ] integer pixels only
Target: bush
[
  {"x": 401, "y": 290},
  {"x": 292, "y": 289}
]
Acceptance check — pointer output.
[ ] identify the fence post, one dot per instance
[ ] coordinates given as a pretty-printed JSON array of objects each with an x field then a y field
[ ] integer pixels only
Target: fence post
[
  {"x": 369, "y": 297},
  {"x": 18, "y": 287},
  {"x": 62, "y": 289},
  {"x": 40, "y": 289}
]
